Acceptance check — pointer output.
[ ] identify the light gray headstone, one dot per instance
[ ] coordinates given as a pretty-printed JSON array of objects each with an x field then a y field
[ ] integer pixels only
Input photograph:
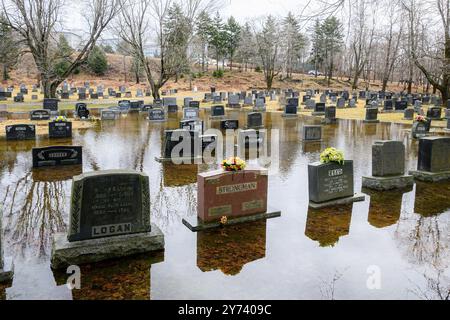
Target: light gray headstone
[{"x": 388, "y": 158}]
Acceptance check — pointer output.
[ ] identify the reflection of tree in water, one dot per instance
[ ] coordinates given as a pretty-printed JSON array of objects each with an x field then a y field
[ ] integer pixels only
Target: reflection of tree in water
[
  {"x": 328, "y": 225},
  {"x": 232, "y": 247},
  {"x": 33, "y": 211},
  {"x": 127, "y": 278},
  {"x": 437, "y": 286},
  {"x": 424, "y": 238}
]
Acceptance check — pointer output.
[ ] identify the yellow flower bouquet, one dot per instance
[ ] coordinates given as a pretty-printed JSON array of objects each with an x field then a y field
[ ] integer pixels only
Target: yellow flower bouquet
[
  {"x": 332, "y": 155},
  {"x": 234, "y": 164},
  {"x": 60, "y": 119}
]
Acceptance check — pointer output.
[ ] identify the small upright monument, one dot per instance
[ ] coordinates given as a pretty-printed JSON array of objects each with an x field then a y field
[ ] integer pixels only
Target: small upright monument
[
  {"x": 109, "y": 218},
  {"x": 388, "y": 167},
  {"x": 434, "y": 159},
  {"x": 231, "y": 196},
  {"x": 331, "y": 181}
]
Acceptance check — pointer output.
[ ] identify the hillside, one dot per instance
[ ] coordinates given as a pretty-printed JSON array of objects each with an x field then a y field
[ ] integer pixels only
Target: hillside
[{"x": 235, "y": 80}]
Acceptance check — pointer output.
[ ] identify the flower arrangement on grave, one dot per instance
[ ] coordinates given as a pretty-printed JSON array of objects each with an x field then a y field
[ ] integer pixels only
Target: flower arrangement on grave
[
  {"x": 60, "y": 119},
  {"x": 421, "y": 118},
  {"x": 224, "y": 220},
  {"x": 234, "y": 164},
  {"x": 332, "y": 155}
]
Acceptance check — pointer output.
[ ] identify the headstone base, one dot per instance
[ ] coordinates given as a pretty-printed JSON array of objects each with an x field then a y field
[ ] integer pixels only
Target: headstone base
[
  {"x": 289, "y": 115},
  {"x": 318, "y": 114},
  {"x": 195, "y": 224},
  {"x": 234, "y": 106},
  {"x": 358, "y": 197},
  {"x": 7, "y": 273},
  {"x": 387, "y": 183},
  {"x": 371, "y": 121},
  {"x": 65, "y": 253},
  {"x": 180, "y": 160},
  {"x": 216, "y": 118},
  {"x": 430, "y": 176}
]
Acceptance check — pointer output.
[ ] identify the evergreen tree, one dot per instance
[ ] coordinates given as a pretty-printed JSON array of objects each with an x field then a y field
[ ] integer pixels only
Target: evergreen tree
[
  {"x": 317, "y": 42},
  {"x": 332, "y": 43},
  {"x": 9, "y": 49},
  {"x": 63, "y": 56},
  {"x": 97, "y": 62},
  {"x": 232, "y": 32},
  {"x": 294, "y": 42},
  {"x": 203, "y": 26},
  {"x": 176, "y": 32},
  {"x": 247, "y": 47},
  {"x": 217, "y": 38}
]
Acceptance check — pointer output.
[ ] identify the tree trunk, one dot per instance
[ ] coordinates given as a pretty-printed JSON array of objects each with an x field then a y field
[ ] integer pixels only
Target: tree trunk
[
  {"x": 155, "y": 90},
  {"x": 49, "y": 87},
  {"x": 384, "y": 85},
  {"x": 5, "y": 75}
]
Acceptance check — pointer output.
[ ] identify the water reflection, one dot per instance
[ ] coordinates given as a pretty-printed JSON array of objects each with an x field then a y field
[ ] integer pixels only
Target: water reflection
[
  {"x": 123, "y": 279},
  {"x": 328, "y": 225},
  {"x": 230, "y": 249},
  {"x": 432, "y": 198},
  {"x": 385, "y": 207},
  {"x": 417, "y": 243}
]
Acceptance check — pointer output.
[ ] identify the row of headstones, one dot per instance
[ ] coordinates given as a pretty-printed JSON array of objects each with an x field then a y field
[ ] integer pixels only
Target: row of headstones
[
  {"x": 332, "y": 183},
  {"x": 94, "y": 214}
]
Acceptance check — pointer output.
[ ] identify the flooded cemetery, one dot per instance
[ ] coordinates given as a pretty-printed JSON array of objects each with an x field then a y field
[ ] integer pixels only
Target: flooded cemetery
[
  {"x": 111, "y": 200},
  {"x": 197, "y": 153}
]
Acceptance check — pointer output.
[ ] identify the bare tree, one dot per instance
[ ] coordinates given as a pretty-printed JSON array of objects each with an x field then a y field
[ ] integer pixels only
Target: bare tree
[
  {"x": 268, "y": 46},
  {"x": 362, "y": 38},
  {"x": 36, "y": 21},
  {"x": 392, "y": 40},
  {"x": 439, "y": 51}
]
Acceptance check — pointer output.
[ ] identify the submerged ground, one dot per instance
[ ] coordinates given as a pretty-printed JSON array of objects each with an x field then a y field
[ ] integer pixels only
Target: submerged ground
[{"x": 305, "y": 254}]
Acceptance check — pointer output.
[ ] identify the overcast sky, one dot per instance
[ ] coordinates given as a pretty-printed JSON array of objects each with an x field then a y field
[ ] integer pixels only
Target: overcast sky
[{"x": 245, "y": 10}]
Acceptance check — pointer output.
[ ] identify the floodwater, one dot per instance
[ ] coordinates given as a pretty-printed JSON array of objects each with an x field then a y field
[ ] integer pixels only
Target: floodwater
[{"x": 395, "y": 245}]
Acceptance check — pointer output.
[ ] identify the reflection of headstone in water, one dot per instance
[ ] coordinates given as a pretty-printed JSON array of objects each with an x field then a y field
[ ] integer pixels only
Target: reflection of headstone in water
[
  {"x": 121, "y": 279},
  {"x": 231, "y": 248},
  {"x": 432, "y": 199},
  {"x": 179, "y": 175},
  {"x": 328, "y": 225},
  {"x": 385, "y": 207}
]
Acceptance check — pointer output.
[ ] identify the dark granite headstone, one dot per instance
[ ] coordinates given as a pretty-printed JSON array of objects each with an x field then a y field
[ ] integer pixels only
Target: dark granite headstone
[
  {"x": 57, "y": 156},
  {"x": 229, "y": 124},
  {"x": 388, "y": 105},
  {"x": 60, "y": 129},
  {"x": 419, "y": 129},
  {"x": 330, "y": 113},
  {"x": 217, "y": 111},
  {"x": 401, "y": 105},
  {"x": 37, "y": 115},
  {"x": 371, "y": 114},
  {"x": 172, "y": 109},
  {"x": 156, "y": 114},
  {"x": 434, "y": 113},
  {"x": 21, "y": 132},
  {"x": 109, "y": 203},
  {"x": 191, "y": 139},
  {"x": 51, "y": 104},
  {"x": 434, "y": 154},
  {"x": 408, "y": 114},
  {"x": 254, "y": 120},
  {"x": 330, "y": 181}
]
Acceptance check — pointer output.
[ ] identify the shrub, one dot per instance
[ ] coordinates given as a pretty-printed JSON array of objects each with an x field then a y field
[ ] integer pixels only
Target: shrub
[{"x": 218, "y": 74}]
